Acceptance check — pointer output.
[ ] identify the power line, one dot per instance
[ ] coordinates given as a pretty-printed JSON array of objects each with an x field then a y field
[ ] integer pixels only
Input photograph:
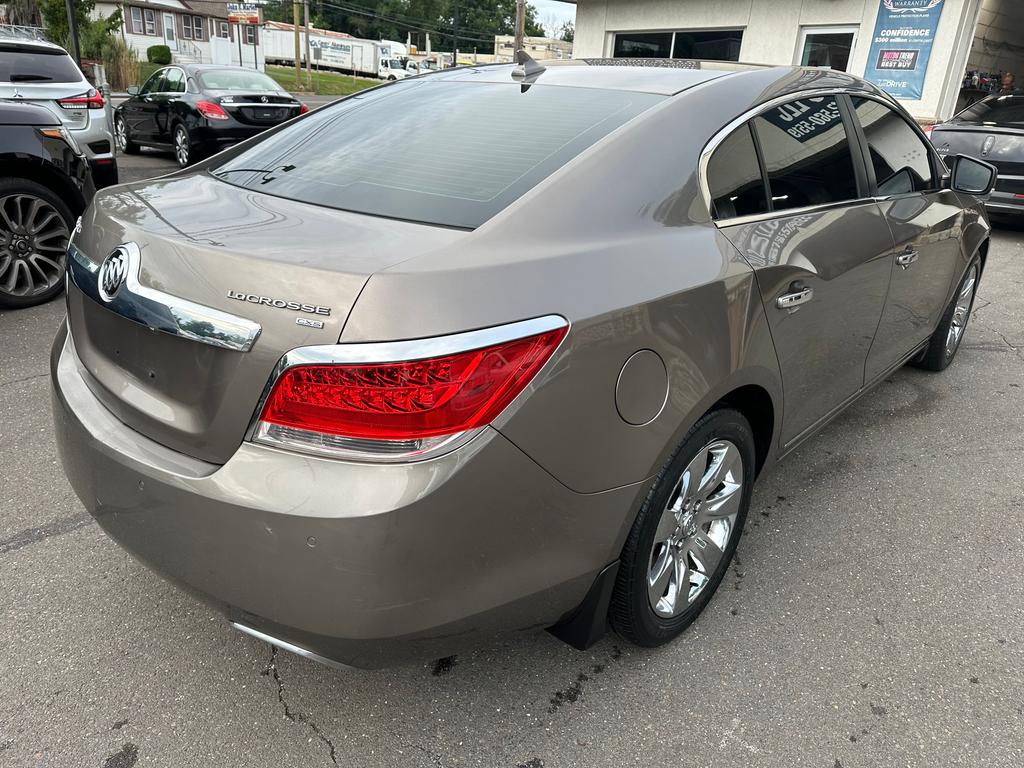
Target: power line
[{"x": 423, "y": 27}]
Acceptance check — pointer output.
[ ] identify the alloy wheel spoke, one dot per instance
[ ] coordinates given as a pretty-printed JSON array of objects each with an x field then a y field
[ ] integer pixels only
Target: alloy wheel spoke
[
  {"x": 660, "y": 574},
  {"x": 704, "y": 550},
  {"x": 666, "y": 527}
]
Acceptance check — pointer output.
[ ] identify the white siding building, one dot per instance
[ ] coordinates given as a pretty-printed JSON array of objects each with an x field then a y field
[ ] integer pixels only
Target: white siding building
[
  {"x": 197, "y": 32},
  {"x": 835, "y": 33}
]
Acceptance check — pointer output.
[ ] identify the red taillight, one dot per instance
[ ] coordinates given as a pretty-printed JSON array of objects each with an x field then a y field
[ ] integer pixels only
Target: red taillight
[
  {"x": 303, "y": 109},
  {"x": 211, "y": 111},
  {"x": 928, "y": 130},
  {"x": 411, "y": 403},
  {"x": 91, "y": 99}
]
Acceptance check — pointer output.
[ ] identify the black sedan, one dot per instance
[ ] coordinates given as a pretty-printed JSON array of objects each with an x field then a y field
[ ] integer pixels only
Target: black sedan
[
  {"x": 45, "y": 184},
  {"x": 198, "y": 109},
  {"x": 991, "y": 130}
]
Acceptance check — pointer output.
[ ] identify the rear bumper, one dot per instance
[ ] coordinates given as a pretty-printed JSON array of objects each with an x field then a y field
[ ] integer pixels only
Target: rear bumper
[
  {"x": 361, "y": 564},
  {"x": 1004, "y": 202}
]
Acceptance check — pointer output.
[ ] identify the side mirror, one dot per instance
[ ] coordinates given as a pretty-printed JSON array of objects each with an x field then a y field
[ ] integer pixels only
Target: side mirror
[
  {"x": 133, "y": 90},
  {"x": 971, "y": 176}
]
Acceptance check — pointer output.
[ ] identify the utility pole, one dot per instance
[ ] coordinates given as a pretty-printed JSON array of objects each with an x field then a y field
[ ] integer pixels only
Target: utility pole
[
  {"x": 455, "y": 35},
  {"x": 298, "y": 50},
  {"x": 520, "y": 25},
  {"x": 309, "y": 60},
  {"x": 73, "y": 31}
]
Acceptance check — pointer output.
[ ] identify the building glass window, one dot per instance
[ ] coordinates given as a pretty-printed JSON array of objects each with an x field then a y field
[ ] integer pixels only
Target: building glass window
[
  {"x": 719, "y": 45},
  {"x": 186, "y": 27},
  {"x": 250, "y": 35},
  {"x": 643, "y": 45},
  {"x": 899, "y": 156},
  {"x": 150, "y": 18},
  {"x": 197, "y": 27},
  {"x": 136, "y": 20},
  {"x": 806, "y": 154},
  {"x": 827, "y": 47},
  {"x": 712, "y": 45}
]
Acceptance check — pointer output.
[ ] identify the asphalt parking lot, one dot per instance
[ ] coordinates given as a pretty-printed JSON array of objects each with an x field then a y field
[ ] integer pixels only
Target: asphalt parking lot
[{"x": 874, "y": 615}]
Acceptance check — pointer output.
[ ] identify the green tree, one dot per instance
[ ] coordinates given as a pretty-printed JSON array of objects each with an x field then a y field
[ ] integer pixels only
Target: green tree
[
  {"x": 92, "y": 33},
  {"x": 568, "y": 32},
  {"x": 479, "y": 20}
]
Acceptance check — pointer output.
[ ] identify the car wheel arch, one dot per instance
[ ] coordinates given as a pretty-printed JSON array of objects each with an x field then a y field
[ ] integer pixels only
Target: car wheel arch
[{"x": 45, "y": 174}]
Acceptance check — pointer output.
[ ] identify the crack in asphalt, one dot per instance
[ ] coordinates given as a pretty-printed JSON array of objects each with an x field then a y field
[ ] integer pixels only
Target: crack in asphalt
[
  {"x": 25, "y": 378},
  {"x": 1015, "y": 349},
  {"x": 296, "y": 717},
  {"x": 432, "y": 755},
  {"x": 31, "y": 536}
]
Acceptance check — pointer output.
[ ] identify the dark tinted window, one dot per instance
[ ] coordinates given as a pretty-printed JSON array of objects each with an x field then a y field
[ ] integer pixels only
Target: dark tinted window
[
  {"x": 23, "y": 64},
  {"x": 720, "y": 45},
  {"x": 806, "y": 154},
  {"x": 734, "y": 177},
  {"x": 994, "y": 109},
  {"x": 451, "y": 153},
  {"x": 898, "y": 155},
  {"x": 154, "y": 83},
  {"x": 174, "y": 81},
  {"x": 643, "y": 45}
]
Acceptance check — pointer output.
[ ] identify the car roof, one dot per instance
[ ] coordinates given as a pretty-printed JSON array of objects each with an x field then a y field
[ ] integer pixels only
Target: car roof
[
  {"x": 660, "y": 76},
  {"x": 26, "y": 44}
]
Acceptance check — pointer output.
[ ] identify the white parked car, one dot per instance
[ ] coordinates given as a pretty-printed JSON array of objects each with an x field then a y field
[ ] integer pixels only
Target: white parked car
[{"x": 39, "y": 72}]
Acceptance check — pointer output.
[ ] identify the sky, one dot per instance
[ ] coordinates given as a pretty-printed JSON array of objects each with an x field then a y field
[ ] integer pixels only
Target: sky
[{"x": 551, "y": 8}]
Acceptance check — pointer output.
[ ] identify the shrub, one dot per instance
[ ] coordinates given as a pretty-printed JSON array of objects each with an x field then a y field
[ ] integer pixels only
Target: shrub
[
  {"x": 121, "y": 63},
  {"x": 158, "y": 54}
]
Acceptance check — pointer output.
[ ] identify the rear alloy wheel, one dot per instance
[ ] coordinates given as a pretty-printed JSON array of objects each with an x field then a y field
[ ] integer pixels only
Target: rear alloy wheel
[
  {"x": 687, "y": 531},
  {"x": 35, "y": 229},
  {"x": 947, "y": 337},
  {"x": 124, "y": 144},
  {"x": 182, "y": 146}
]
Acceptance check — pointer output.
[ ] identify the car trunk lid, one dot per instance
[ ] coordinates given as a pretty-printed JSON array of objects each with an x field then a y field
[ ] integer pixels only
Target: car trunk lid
[
  {"x": 203, "y": 243},
  {"x": 47, "y": 95},
  {"x": 258, "y": 108},
  {"x": 1002, "y": 146}
]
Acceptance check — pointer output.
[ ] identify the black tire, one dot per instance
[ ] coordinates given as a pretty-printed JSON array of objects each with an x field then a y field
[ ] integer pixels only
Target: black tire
[
  {"x": 50, "y": 242},
  {"x": 632, "y": 614},
  {"x": 123, "y": 140},
  {"x": 942, "y": 348}
]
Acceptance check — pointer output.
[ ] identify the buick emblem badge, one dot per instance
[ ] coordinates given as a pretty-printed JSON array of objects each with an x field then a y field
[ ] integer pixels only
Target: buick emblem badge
[{"x": 113, "y": 272}]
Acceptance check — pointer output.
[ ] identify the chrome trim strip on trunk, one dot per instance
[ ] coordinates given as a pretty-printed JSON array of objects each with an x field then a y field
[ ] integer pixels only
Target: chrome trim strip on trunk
[{"x": 157, "y": 310}]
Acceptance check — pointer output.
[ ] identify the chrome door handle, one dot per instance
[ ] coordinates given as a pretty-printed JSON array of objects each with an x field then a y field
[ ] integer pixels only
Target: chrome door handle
[
  {"x": 906, "y": 258},
  {"x": 795, "y": 298}
]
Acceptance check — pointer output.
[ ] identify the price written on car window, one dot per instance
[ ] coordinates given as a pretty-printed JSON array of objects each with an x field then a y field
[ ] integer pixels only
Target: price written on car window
[{"x": 805, "y": 118}]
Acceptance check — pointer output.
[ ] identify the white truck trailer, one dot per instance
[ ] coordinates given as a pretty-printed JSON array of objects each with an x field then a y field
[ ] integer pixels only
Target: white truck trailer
[{"x": 332, "y": 51}]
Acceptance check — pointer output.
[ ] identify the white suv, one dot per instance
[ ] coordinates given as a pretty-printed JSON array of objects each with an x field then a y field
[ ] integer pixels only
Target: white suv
[{"x": 42, "y": 73}]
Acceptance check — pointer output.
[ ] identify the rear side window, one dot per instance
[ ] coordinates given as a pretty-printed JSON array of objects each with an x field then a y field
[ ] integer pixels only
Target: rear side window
[
  {"x": 995, "y": 110},
  {"x": 734, "y": 177},
  {"x": 899, "y": 156},
  {"x": 806, "y": 154},
  {"x": 20, "y": 64},
  {"x": 174, "y": 81},
  {"x": 449, "y": 153}
]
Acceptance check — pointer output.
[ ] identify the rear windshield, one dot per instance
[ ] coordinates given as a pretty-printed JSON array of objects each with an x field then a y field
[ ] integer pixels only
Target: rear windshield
[
  {"x": 36, "y": 65},
  {"x": 995, "y": 109},
  {"x": 448, "y": 153},
  {"x": 236, "y": 80}
]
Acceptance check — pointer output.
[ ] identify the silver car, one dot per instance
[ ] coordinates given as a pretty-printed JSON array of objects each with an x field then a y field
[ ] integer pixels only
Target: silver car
[
  {"x": 43, "y": 73},
  {"x": 380, "y": 393}
]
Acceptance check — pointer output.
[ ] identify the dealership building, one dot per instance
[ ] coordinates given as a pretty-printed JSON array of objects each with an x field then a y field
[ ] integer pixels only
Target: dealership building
[{"x": 918, "y": 50}]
